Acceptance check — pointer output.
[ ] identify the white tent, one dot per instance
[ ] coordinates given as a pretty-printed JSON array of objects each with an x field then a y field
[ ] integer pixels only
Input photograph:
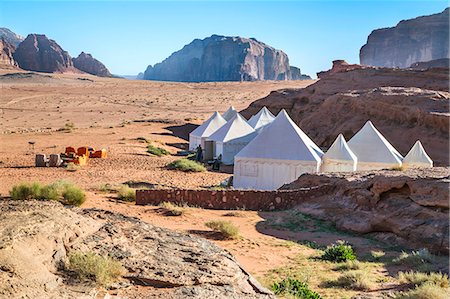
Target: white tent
[
  {"x": 231, "y": 138},
  {"x": 278, "y": 155},
  {"x": 339, "y": 157},
  {"x": 262, "y": 118},
  {"x": 373, "y": 150},
  {"x": 205, "y": 130},
  {"x": 417, "y": 157},
  {"x": 229, "y": 114}
]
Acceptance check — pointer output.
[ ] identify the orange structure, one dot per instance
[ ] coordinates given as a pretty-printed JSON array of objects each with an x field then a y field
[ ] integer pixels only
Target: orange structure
[
  {"x": 69, "y": 150},
  {"x": 99, "y": 154}
]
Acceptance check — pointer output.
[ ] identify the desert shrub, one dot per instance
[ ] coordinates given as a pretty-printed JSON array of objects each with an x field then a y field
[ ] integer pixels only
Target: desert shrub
[
  {"x": 422, "y": 256},
  {"x": 355, "y": 280},
  {"x": 341, "y": 251},
  {"x": 105, "y": 188},
  {"x": 68, "y": 127},
  {"x": 157, "y": 151},
  {"x": 420, "y": 278},
  {"x": 226, "y": 228},
  {"x": 295, "y": 288},
  {"x": 73, "y": 195},
  {"x": 126, "y": 193},
  {"x": 172, "y": 209},
  {"x": 48, "y": 192},
  {"x": 101, "y": 269},
  {"x": 143, "y": 139},
  {"x": 25, "y": 191},
  {"x": 377, "y": 254},
  {"x": 425, "y": 291},
  {"x": 349, "y": 265},
  {"x": 186, "y": 165},
  {"x": 72, "y": 167}
]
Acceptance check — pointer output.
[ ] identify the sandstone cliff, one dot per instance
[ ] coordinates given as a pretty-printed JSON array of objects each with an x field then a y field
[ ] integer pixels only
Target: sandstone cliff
[
  {"x": 437, "y": 63},
  {"x": 11, "y": 37},
  {"x": 38, "y": 53},
  {"x": 86, "y": 63},
  {"x": 221, "y": 58},
  {"x": 404, "y": 104},
  {"x": 36, "y": 237},
  {"x": 420, "y": 39},
  {"x": 6, "y": 54}
]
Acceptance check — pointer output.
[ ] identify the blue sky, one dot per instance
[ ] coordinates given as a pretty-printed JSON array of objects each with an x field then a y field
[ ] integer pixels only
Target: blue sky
[{"x": 129, "y": 35}]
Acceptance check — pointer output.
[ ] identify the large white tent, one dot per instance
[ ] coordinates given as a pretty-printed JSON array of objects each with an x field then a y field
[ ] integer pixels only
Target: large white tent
[
  {"x": 417, "y": 157},
  {"x": 373, "y": 150},
  {"x": 231, "y": 138},
  {"x": 339, "y": 157},
  {"x": 261, "y": 119},
  {"x": 229, "y": 114},
  {"x": 211, "y": 125},
  {"x": 278, "y": 155}
]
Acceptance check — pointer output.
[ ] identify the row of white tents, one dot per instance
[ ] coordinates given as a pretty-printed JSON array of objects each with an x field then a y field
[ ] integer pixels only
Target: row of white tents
[{"x": 269, "y": 151}]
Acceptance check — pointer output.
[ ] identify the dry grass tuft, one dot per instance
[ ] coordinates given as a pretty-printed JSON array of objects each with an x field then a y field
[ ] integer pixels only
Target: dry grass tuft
[{"x": 226, "y": 228}]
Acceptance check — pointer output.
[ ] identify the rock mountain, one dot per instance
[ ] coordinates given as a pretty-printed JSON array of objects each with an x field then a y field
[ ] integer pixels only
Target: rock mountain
[
  {"x": 6, "y": 54},
  {"x": 224, "y": 58},
  {"x": 11, "y": 37},
  {"x": 86, "y": 63},
  {"x": 421, "y": 39}
]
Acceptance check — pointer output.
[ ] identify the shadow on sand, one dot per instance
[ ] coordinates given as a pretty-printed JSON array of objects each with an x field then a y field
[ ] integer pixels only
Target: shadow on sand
[{"x": 182, "y": 131}]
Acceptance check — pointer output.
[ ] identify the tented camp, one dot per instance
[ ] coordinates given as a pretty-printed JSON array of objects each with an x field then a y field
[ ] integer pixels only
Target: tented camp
[
  {"x": 417, "y": 157},
  {"x": 339, "y": 157},
  {"x": 198, "y": 136},
  {"x": 229, "y": 114},
  {"x": 278, "y": 155},
  {"x": 231, "y": 138},
  {"x": 262, "y": 118},
  {"x": 373, "y": 150}
]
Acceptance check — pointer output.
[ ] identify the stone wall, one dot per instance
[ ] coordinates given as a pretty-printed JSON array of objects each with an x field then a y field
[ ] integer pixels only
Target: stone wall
[{"x": 231, "y": 199}]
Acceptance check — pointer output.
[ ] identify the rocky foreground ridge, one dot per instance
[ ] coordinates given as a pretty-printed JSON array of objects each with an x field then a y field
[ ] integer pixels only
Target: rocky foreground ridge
[
  {"x": 404, "y": 104},
  {"x": 35, "y": 238},
  {"x": 224, "y": 58},
  {"x": 421, "y": 39},
  {"x": 401, "y": 208}
]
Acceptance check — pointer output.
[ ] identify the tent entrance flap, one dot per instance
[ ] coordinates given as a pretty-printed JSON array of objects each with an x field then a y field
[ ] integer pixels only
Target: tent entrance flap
[{"x": 208, "y": 150}]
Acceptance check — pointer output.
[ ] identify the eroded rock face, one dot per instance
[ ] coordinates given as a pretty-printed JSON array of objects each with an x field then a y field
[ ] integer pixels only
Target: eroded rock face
[
  {"x": 437, "y": 63},
  {"x": 6, "y": 54},
  {"x": 38, "y": 53},
  {"x": 86, "y": 63},
  {"x": 405, "y": 105},
  {"x": 35, "y": 238},
  {"x": 222, "y": 58},
  {"x": 421, "y": 39},
  {"x": 405, "y": 208},
  {"x": 11, "y": 37}
]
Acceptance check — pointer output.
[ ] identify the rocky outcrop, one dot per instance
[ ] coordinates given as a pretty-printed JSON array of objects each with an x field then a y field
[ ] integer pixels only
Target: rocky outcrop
[
  {"x": 6, "y": 54},
  {"x": 11, "y": 37},
  {"x": 35, "y": 238},
  {"x": 38, "y": 53},
  {"x": 420, "y": 39},
  {"x": 404, "y": 104},
  {"x": 86, "y": 63},
  {"x": 223, "y": 58},
  {"x": 404, "y": 208},
  {"x": 437, "y": 63}
]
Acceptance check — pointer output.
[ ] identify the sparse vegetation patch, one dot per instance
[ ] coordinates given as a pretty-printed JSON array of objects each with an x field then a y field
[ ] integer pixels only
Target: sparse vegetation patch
[
  {"x": 157, "y": 151},
  {"x": 341, "y": 251},
  {"x": 295, "y": 288},
  {"x": 186, "y": 165},
  {"x": 226, "y": 228},
  {"x": 126, "y": 193},
  {"x": 171, "y": 209}
]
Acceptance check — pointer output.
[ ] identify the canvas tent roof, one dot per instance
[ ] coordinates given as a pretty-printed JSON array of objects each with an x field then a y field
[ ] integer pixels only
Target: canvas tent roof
[
  {"x": 370, "y": 146},
  {"x": 229, "y": 114},
  {"x": 282, "y": 140},
  {"x": 417, "y": 155},
  {"x": 340, "y": 150},
  {"x": 262, "y": 118},
  {"x": 209, "y": 126},
  {"x": 235, "y": 128}
]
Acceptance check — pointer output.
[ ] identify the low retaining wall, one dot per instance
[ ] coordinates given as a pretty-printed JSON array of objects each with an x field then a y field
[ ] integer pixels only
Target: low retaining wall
[{"x": 231, "y": 199}]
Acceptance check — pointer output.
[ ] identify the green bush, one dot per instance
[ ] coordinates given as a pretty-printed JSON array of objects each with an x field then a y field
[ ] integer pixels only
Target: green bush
[
  {"x": 226, "y": 228},
  {"x": 26, "y": 191},
  {"x": 101, "y": 269},
  {"x": 341, "y": 251},
  {"x": 48, "y": 192},
  {"x": 420, "y": 278},
  {"x": 126, "y": 193},
  {"x": 73, "y": 195},
  {"x": 157, "y": 151},
  {"x": 186, "y": 165},
  {"x": 295, "y": 288}
]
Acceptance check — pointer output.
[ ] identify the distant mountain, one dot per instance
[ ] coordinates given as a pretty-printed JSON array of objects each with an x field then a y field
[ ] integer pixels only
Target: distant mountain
[
  {"x": 223, "y": 58},
  {"x": 6, "y": 54},
  {"x": 421, "y": 39},
  {"x": 11, "y": 37},
  {"x": 86, "y": 63}
]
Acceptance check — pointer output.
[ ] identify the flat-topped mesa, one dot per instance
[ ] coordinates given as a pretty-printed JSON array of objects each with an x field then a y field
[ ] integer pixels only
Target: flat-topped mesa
[
  {"x": 86, "y": 63},
  {"x": 41, "y": 54},
  {"x": 421, "y": 39},
  {"x": 224, "y": 58}
]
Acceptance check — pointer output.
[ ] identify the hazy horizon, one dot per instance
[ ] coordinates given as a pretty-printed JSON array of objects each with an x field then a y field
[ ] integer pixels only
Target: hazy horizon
[{"x": 129, "y": 36}]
